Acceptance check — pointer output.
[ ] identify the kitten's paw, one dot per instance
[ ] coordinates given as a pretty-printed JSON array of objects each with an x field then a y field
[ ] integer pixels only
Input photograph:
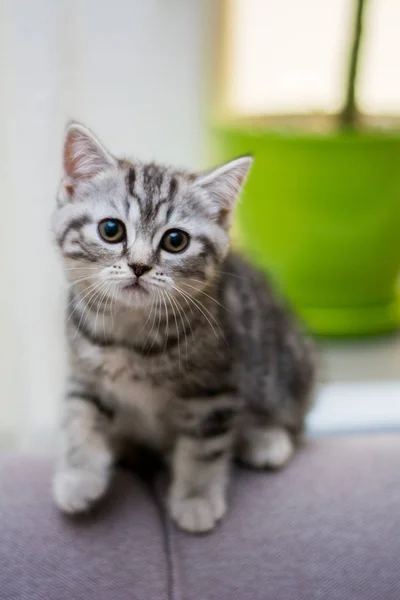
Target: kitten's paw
[
  {"x": 197, "y": 514},
  {"x": 269, "y": 448},
  {"x": 76, "y": 490}
]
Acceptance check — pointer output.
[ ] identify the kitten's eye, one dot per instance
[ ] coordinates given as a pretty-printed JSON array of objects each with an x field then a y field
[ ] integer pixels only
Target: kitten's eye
[
  {"x": 175, "y": 240},
  {"x": 112, "y": 231}
]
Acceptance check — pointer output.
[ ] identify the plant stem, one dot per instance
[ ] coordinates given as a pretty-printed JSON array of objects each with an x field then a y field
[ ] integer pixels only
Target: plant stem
[{"x": 348, "y": 115}]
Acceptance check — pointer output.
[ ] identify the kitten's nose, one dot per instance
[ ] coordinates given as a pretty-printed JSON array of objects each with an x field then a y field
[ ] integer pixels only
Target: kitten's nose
[{"x": 139, "y": 269}]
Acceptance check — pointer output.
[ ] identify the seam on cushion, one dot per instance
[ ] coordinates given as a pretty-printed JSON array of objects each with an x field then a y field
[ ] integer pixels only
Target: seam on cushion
[{"x": 173, "y": 582}]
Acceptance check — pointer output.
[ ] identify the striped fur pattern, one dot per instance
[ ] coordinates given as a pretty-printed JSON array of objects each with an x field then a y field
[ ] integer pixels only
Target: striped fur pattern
[{"x": 188, "y": 353}]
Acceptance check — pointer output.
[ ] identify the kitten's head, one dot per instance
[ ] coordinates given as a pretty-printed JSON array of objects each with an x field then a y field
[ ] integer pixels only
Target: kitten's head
[{"x": 134, "y": 231}]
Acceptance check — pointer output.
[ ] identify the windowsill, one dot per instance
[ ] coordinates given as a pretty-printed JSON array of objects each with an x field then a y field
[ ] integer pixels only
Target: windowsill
[
  {"x": 362, "y": 386},
  {"x": 356, "y": 406}
]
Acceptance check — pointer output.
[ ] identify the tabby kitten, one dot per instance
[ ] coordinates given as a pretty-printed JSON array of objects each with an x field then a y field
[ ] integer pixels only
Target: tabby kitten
[{"x": 174, "y": 341}]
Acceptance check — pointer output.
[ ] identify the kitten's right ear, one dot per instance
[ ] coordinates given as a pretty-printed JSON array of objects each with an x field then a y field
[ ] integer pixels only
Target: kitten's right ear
[{"x": 84, "y": 156}]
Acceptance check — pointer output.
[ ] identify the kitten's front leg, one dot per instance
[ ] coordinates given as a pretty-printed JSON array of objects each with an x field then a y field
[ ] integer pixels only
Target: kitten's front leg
[
  {"x": 200, "y": 466},
  {"x": 84, "y": 466}
]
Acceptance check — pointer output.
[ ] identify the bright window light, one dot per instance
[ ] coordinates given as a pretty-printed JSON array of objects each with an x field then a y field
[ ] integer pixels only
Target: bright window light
[
  {"x": 291, "y": 57},
  {"x": 379, "y": 83}
]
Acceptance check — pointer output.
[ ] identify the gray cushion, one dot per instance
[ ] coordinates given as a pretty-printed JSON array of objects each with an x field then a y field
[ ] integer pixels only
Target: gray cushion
[
  {"x": 116, "y": 554},
  {"x": 328, "y": 527}
]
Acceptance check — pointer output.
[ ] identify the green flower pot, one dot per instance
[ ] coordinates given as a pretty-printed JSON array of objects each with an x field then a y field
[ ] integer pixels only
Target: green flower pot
[{"x": 322, "y": 214}]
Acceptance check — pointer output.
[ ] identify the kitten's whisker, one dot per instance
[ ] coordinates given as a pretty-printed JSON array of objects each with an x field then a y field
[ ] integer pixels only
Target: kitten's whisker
[
  {"x": 99, "y": 301},
  {"x": 79, "y": 294},
  {"x": 191, "y": 311},
  {"x": 177, "y": 335},
  {"x": 204, "y": 293},
  {"x": 183, "y": 324},
  {"x": 113, "y": 299},
  {"x": 87, "y": 306},
  {"x": 180, "y": 293},
  {"x": 232, "y": 275},
  {"x": 159, "y": 321},
  {"x": 181, "y": 311},
  {"x": 157, "y": 312},
  {"x": 152, "y": 324},
  {"x": 88, "y": 278},
  {"x": 108, "y": 301},
  {"x": 194, "y": 301},
  {"x": 81, "y": 268},
  {"x": 199, "y": 302},
  {"x": 200, "y": 307},
  {"x": 88, "y": 291},
  {"x": 91, "y": 302},
  {"x": 148, "y": 317},
  {"x": 166, "y": 332}
]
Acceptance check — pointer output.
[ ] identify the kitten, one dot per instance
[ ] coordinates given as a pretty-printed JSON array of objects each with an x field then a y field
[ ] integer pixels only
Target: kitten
[{"x": 174, "y": 341}]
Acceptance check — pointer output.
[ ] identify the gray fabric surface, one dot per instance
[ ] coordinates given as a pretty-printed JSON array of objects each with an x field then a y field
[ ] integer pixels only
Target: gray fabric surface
[
  {"x": 328, "y": 527},
  {"x": 117, "y": 554}
]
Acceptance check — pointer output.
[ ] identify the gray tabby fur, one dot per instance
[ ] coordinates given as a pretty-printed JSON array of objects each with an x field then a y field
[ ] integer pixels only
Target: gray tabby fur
[{"x": 199, "y": 361}]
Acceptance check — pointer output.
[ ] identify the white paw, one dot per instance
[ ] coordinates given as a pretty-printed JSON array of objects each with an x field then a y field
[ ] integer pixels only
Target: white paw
[
  {"x": 197, "y": 514},
  {"x": 76, "y": 490},
  {"x": 267, "y": 448}
]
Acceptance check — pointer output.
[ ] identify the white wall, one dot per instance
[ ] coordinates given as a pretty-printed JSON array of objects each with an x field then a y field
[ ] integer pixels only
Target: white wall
[{"x": 133, "y": 70}]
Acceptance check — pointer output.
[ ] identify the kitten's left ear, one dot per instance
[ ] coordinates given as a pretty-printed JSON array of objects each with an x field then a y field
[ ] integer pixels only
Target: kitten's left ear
[
  {"x": 223, "y": 185},
  {"x": 84, "y": 155}
]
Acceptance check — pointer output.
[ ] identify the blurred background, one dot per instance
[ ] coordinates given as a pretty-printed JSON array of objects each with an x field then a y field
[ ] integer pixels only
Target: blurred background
[{"x": 311, "y": 88}]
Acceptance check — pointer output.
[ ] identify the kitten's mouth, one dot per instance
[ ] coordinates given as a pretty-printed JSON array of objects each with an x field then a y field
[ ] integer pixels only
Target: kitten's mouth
[{"x": 135, "y": 286}]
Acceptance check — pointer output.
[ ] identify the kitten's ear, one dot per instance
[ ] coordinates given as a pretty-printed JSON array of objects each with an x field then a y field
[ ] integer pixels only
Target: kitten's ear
[
  {"x": 223, "y": 185},
  {"x": 84, "y": 155}
]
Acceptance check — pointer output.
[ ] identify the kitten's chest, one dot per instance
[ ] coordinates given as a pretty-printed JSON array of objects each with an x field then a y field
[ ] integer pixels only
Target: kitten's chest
[
  {"x": 139, "y": 387},
  {"x": 143, "y": 413}
]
